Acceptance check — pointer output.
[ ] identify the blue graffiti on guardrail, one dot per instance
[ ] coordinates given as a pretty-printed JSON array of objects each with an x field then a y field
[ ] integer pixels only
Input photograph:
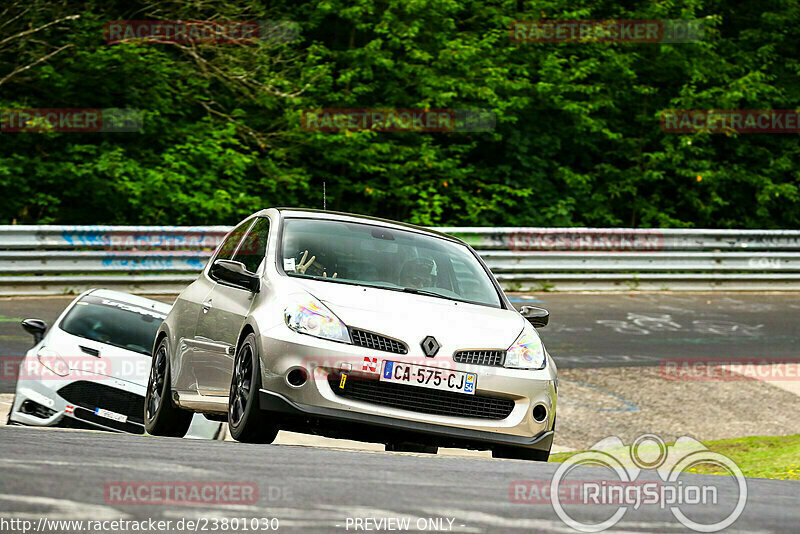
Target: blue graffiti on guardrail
[
  {"x": 156, "y": 264},
  {"x": 144, "y": 239}
]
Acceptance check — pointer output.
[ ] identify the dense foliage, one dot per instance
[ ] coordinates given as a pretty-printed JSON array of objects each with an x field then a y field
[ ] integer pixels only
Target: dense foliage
[{"x": 577, "y": 138}]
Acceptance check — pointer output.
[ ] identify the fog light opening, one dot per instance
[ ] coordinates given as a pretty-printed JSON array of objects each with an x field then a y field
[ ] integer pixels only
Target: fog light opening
[
  {"x": 540, "y": 413},
  {"x": 35, "y": 409},
  {"x": 297, "y": 377}
]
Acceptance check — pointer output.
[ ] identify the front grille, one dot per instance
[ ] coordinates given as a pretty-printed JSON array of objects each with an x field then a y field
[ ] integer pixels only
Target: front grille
[
  {"x": 362, "y": 338},
  {"x": 90, "y": 417},
  {"x": 91, "y": 395},
  {"x": 481, "y": 357},
  {"x": 422, "y": 400}
]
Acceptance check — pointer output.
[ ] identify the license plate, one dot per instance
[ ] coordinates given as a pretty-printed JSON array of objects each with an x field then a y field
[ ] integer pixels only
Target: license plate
[
  {"x": 111, "y": 415},
  {"x": 429, "y": 377}
]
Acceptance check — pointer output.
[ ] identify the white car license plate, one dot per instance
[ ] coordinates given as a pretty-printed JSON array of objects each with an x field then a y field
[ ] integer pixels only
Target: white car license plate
[
  {"x": 111, "y": 415},
  {"x": 429, "y": 377}
]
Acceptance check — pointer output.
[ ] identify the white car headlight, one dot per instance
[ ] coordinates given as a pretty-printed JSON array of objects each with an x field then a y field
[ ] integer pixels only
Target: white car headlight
[
  {"x": 310, "y": 316},
  {"x": 52, "y": 361},
  {"x": 527, "y": 352}
]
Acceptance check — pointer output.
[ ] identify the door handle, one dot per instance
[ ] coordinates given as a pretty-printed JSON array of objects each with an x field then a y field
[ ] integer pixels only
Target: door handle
[{"x": 206, "y": 306}]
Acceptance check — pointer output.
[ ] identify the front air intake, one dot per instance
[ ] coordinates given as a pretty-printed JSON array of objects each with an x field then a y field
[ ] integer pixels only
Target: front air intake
[{"x": 374, "y": 341}]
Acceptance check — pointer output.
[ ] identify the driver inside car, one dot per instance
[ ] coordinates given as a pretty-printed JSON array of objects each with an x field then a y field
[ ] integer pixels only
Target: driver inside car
[
  {"x": 304, "y": 263},
  {"x": 418, "y": 273}
]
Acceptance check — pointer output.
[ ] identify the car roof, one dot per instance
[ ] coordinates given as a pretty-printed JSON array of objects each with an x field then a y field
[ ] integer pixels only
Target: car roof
[
  {"x": 354, "y": 217},
  {"x": 127, "y": 298}
]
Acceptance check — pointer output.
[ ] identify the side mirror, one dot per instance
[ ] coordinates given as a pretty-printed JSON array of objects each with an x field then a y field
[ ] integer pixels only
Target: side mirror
[
  {"x": 234, "y": 273},
  {"x": 36, "y": 328},
  {"x": 538, "y": 317}
]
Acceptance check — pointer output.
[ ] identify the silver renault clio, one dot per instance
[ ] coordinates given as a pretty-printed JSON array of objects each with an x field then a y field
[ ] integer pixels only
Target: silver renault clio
[{"x": 354, "y": 327}]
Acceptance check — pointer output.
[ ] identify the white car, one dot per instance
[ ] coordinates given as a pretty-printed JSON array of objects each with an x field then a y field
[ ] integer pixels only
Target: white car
[
  {"x": 350, "y": 326},
  {"x": 90, "y": 369}
]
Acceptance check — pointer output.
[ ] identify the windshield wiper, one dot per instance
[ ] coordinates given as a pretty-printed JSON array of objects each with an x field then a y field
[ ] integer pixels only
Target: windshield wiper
[
  {"x": 425, "y": 292},
  {"x": 434, "y": 294}
]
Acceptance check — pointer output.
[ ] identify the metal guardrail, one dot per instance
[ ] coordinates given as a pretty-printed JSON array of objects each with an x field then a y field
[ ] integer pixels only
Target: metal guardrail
[
  {"x": 149, "y": 259},
  {"x": 621, "y": 239},
  {"x": 111, "y": 238}
]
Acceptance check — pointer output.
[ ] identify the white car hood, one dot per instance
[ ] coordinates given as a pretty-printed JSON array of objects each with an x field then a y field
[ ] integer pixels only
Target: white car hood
[
  {"x": 410, "y": 318},
  {"x": 113, "y": 361}
]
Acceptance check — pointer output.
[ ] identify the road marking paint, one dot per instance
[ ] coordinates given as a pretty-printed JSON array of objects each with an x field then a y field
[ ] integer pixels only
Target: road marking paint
[
  {"x": 59, "y": 509},
  {"x": 547, "y": 525},
  {"x": 134, "y": 466}
]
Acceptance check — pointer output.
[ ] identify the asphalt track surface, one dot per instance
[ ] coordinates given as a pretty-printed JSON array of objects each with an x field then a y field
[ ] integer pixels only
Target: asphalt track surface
[
  {"x": 62, "y": 475},
  {"x": 586, "y": 330}
]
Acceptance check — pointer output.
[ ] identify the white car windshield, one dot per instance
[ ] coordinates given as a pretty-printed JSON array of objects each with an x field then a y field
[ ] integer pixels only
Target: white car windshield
[
  {"x": 113, "y": 322},
  {"x": 388, "y": 258}
]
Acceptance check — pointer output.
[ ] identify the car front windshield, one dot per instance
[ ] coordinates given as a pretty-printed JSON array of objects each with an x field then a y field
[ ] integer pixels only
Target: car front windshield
[
  {"x": 363, "y": 254},
  {"x": 113, "y": 322}
]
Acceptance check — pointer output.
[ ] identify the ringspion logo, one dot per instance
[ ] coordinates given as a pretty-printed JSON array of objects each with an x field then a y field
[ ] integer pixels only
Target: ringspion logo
[{"x": 701, "y": 504}]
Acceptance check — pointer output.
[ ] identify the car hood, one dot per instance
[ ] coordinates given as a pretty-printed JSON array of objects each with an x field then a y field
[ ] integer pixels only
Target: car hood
[
  {"x": 410, "y": 318},
  {"x": 114, "y": 362}
]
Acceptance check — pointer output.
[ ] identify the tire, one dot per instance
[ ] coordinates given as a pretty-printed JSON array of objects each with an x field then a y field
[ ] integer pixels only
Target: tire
[
  {"x": 411, "y": 447},
  {"x": 520, "y": 453},
  {"x": 161, "y": 416},
  {"x": 246, "y": 422}
]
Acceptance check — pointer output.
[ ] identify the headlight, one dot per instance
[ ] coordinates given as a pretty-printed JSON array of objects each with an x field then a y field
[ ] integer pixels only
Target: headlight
[
  {"x": 527, "y": 352},
  {"x": 309, "y": 316},
  {"x": 52, "y": 361}
]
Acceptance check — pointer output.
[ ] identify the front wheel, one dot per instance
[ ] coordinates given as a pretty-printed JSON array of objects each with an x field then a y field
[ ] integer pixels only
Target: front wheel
[
  {"x": 246, "y": 421},
  {"x": 161, "y": 416}
]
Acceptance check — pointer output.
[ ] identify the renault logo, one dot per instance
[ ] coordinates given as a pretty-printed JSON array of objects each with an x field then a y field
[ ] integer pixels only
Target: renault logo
[{"x": 430, "y": 346}]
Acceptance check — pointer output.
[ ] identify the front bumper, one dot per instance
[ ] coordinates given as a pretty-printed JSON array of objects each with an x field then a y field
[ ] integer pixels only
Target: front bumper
[
  {"x": 81, "y": 414},
  {"x": 75, "y": 414},
  {"x": 316, "y": 400},
  {"x": 361, "y": 424}
]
